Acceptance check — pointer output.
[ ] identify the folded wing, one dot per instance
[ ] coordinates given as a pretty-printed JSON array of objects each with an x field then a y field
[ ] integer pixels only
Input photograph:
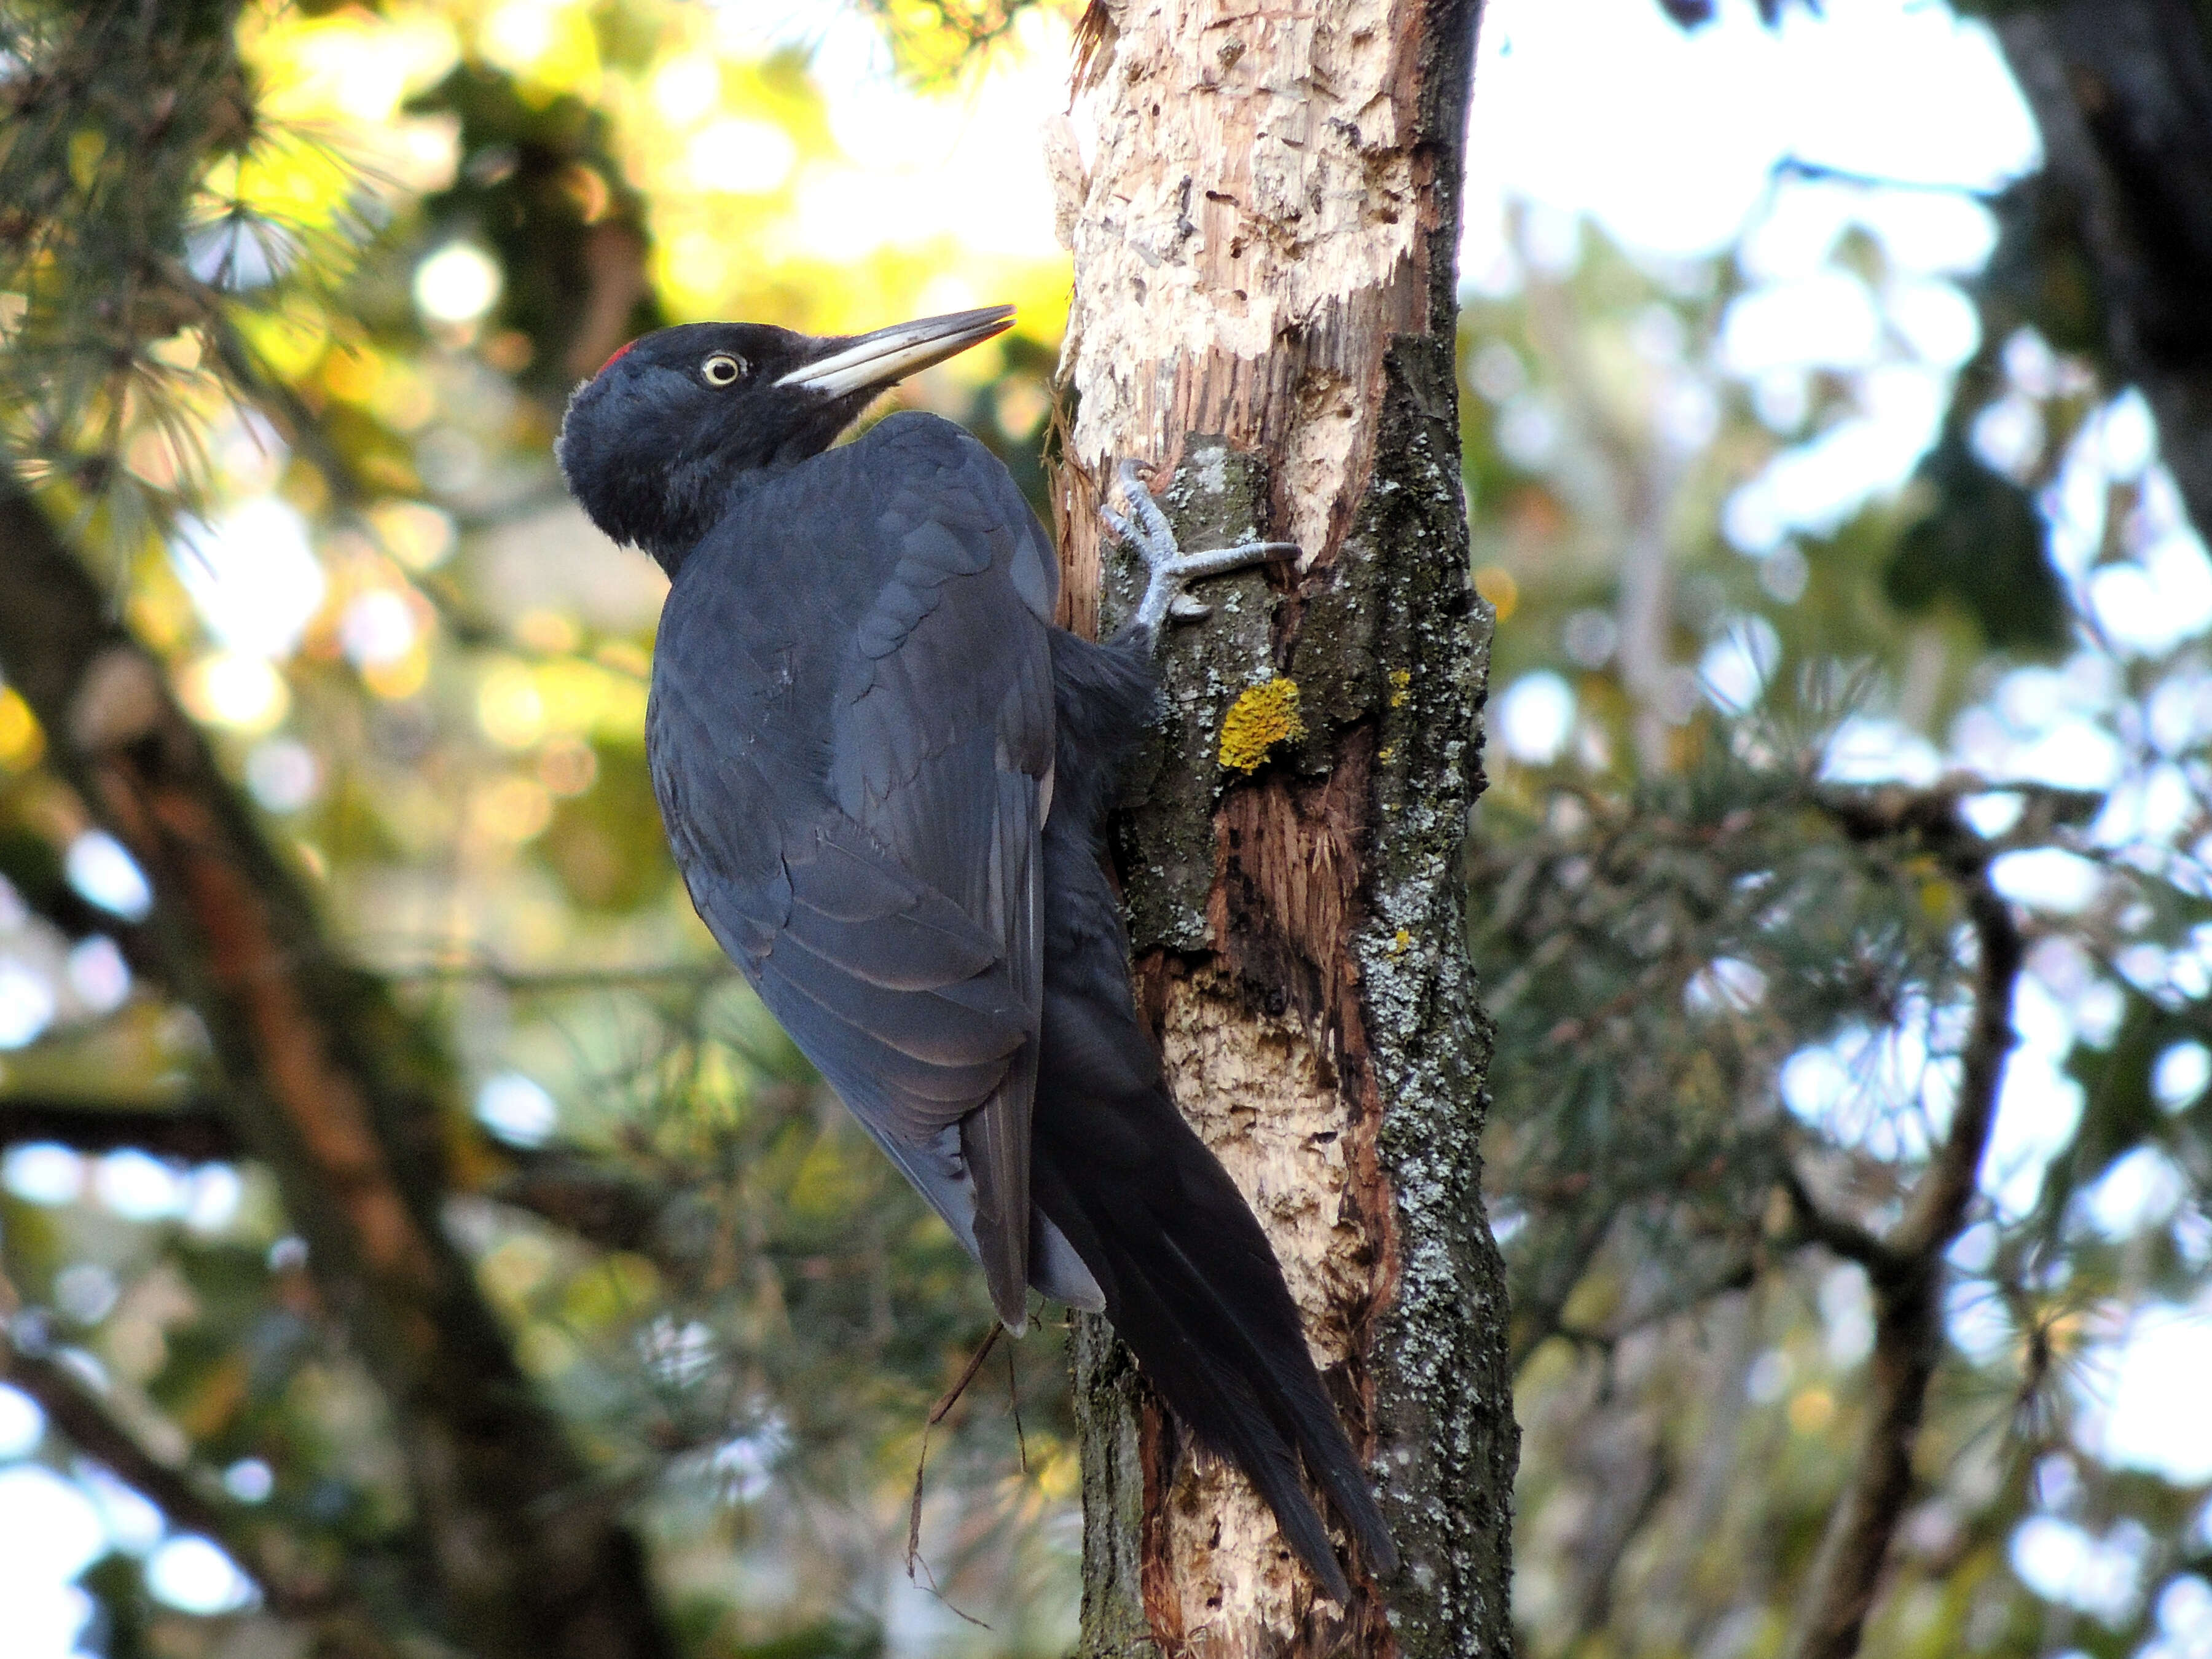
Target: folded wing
[{"x": 893, "y": 925}]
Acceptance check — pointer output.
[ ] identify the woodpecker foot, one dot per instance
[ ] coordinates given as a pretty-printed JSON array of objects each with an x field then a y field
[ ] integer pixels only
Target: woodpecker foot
[{"x": 1146, "y": 528}]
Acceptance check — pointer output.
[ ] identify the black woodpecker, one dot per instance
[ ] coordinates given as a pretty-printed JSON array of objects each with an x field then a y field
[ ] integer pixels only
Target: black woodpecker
[{"x": 884, "y": 775}]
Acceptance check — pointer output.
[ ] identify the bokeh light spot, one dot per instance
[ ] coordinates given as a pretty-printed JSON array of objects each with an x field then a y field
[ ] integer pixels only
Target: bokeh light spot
[
  {"x": 236, "y": 690},
  {"x": 138, "y": 1187},
  {"x": 26, "y": 1003},
  {"x": 249, "y": 1480},
  {"x": 22, "y": 1425},
  {"x": 251, "y": 574},
  {"x": 193, "y": 1576},
  {"x": 458, "y": 283},
  {"x": 104, "y": 874},
  {"x": 1535, "y": 717},
  {"x": 378, "y": 627},
  {"x": 43, "y": 1173},
  {"x": 98, "y": 974},
  {"x": 517, "y": 1108},
  {"x": 283, "y": 775}
]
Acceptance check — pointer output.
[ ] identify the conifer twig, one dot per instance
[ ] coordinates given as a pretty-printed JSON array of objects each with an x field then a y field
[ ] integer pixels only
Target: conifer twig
[{"x": 937, "y": 1415}]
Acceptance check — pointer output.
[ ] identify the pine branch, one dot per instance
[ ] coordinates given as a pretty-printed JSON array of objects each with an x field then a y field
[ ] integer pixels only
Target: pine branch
[
  {"x": 1838, "y": 1234},
  {"x": 695, "y": 974},
  {"x": 1538, "y": 1317},
  {"x": 1797, "y": 167},
  {"x": 1931, "y": 814},
  {"x": 1601, "y": 1579},
  {"x": 599, "y": 1206}
]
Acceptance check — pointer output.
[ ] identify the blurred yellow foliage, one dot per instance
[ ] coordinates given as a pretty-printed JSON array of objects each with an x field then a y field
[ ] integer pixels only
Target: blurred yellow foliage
[
  {"x": 21, "y": 742},
  {"x": 1496, "y": 586}
]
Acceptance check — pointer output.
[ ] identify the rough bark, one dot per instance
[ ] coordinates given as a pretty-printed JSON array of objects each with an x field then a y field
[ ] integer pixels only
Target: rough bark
[
  {"x": 2122, "y": 91},
  {"x": 345, "y": 1100},
  {"x": 1264, "y": 220}
]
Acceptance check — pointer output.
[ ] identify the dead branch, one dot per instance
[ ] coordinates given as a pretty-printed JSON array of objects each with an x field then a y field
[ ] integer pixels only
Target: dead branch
[
  {"x": 937, "y": 1415},
  {"x": 193, "y": 1129}
]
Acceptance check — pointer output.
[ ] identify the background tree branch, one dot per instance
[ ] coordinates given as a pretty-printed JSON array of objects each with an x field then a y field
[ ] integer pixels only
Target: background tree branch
[
  {"x": 194, "y": 1128},
  {"x": 290, "y": 1589},
  {"x": 1906, "y": 1269},
  {"x": 345, "y": 1100}
]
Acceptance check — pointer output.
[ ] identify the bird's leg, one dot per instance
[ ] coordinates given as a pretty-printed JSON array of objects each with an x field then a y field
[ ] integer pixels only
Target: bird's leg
[{"x": 1146, "y": 529}]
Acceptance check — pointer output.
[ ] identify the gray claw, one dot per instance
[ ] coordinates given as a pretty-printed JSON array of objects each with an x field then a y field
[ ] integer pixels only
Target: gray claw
[
  {"x": 1147, "y": 530},
  {"x": 1158, "y": 541}
]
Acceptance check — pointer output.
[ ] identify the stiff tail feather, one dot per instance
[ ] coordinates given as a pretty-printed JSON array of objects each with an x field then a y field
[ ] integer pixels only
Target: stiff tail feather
[{"x": 1192, "y": 1287}]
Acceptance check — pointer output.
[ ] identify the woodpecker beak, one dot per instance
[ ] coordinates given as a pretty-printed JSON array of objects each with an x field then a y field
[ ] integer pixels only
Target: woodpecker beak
[{"x": 875, "y": 361}]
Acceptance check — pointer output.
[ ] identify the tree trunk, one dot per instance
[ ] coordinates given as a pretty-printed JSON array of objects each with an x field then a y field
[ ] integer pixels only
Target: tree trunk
[
  {"x": 2122, "y": 91},
  {"x": 1264, "y": 229}
]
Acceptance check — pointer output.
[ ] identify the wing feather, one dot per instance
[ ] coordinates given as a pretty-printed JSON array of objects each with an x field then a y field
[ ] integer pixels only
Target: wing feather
[{"x": 887, "y": 902}]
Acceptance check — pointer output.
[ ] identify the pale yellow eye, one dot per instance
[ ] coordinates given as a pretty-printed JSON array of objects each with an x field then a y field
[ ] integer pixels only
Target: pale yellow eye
[{"x": 722, "y": 369}]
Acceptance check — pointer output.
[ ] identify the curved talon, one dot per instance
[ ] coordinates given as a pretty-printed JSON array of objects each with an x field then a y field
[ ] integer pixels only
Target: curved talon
[{"x": 1160, "y": 535}]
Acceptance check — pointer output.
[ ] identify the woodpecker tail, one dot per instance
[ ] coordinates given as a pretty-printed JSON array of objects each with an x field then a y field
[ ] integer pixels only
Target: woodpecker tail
[
  {"x": 1188, "y": 1277},
  {"x": 1192, "y": 1287}
]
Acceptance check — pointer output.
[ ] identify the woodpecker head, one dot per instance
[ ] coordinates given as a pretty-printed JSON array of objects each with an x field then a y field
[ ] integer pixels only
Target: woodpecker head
[{"x": 654, "y": 444}]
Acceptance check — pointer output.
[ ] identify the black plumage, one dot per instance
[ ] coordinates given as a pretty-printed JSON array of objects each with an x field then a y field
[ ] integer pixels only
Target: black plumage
[{"x": 884, "y": 773}]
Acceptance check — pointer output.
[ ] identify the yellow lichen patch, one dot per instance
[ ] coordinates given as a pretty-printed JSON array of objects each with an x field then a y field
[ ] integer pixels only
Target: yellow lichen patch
[
  {"x": 1402, "y": 683},
  {"x": 1267, "y": 715}
]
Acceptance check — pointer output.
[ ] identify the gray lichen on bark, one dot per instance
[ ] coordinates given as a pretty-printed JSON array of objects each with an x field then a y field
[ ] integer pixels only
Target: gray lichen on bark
[{"x": 1447, "y": 1442}]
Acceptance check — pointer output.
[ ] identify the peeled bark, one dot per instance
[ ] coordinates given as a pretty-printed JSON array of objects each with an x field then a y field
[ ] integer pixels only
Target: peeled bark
[{"x": 1264, "y": 223}]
